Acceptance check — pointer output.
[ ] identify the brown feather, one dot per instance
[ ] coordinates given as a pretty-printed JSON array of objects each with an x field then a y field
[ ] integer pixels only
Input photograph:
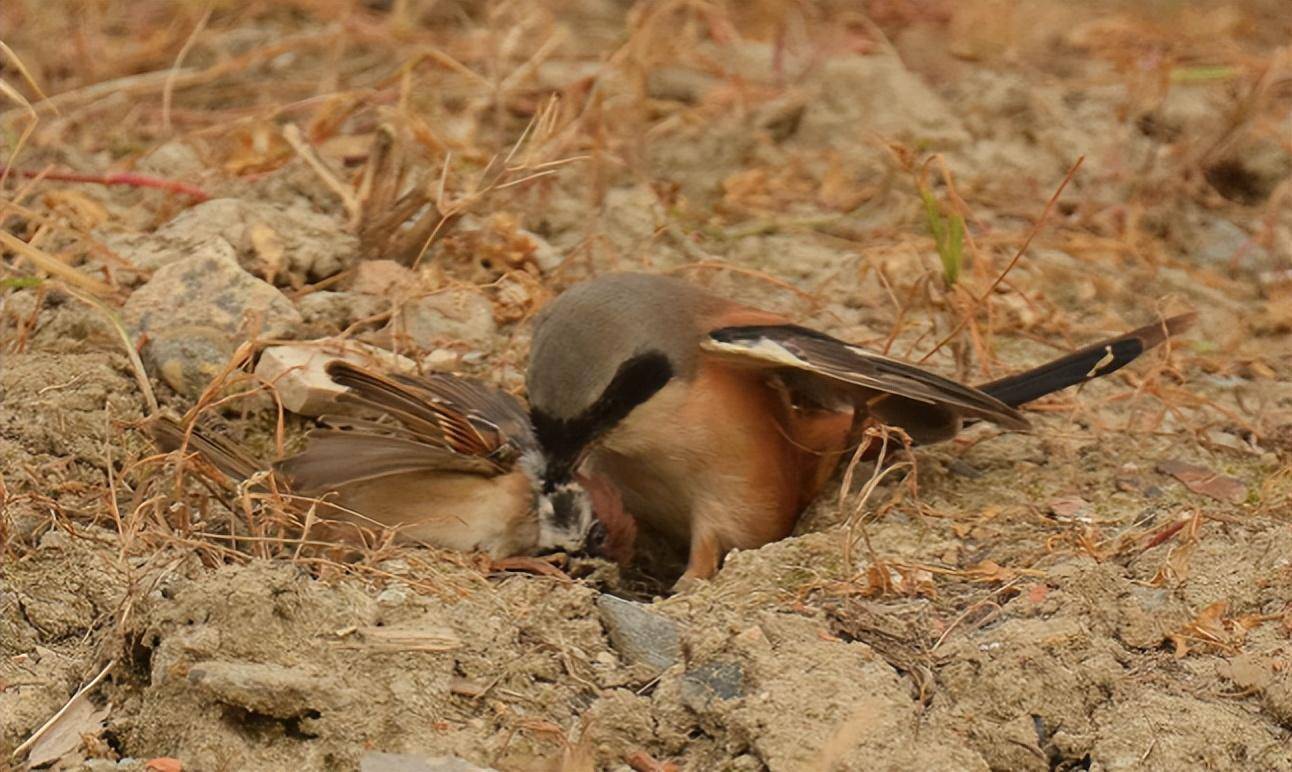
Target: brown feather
[
  {"x": 334, "y": 459},
  {"x": 226, "y": 456},
  {"x": 435, "y": 418}
]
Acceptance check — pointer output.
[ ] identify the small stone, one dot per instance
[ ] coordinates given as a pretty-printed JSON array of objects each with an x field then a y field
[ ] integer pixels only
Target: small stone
[
  {"x": 174, "y": 159},
  {"x": 273, "y": 690},
  {"x": 195, "y": 311},
  {"x": 383, "y": 278},
  {"x": 441, "y": 359},
  {"x": 1071, "y": 508},
  {"x": 719, "y": 679},
  {"x": 306, "y": 245},
  {"x": 189, "y": 357},
  {"x": 1224, "y": 246},
  {"x": 451, "y": 315},
  {"x": 963, "y": 469},
  {"x": 394, "y": 595},
  {"x": 376, "y": 761},
  {"x": 300, "y": 379},
  {"x": 545, "y": 256},
  {"x": 641, "y": 637},
  {"x": 330, "y": 312}
]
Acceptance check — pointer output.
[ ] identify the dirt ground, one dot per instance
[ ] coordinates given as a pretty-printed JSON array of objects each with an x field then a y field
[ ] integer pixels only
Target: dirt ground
[{"x": 1112, "y": 591}]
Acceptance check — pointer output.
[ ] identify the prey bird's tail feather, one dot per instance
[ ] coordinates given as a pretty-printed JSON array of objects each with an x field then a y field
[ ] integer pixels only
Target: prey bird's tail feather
[
  {"x": 225, "y": 455},
  {"x": 1091, "y": 362}
]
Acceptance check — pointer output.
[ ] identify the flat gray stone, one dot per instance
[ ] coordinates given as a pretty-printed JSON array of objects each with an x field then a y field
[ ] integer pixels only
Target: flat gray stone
[{"x": 640, "y": 636}]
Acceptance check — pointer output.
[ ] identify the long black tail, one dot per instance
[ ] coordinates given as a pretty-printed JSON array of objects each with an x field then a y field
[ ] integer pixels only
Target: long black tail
[{"x": 1089, "y": 363}]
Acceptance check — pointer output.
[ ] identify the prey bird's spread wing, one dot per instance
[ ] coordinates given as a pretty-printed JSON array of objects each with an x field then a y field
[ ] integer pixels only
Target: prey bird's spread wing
[
  {"x": 335, "y": 458},
  {"x": 461, "y": 414}
]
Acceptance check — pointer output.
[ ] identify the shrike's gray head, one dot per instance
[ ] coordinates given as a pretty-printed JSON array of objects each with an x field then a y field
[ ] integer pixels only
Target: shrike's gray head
[{"x": 602, "y": 348}]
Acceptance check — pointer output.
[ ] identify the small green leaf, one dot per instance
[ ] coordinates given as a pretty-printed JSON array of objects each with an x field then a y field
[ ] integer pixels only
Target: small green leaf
[
  {"x": 948, "y": 236},
  {"x": 21, "y": 282},
  {"x": 952, "y": 253},
  {"x": 1203, "y": 73}
]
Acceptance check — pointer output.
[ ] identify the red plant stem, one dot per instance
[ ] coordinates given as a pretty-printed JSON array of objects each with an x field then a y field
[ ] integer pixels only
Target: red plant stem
[
  {"x": 1164, "y": 534},
  {"x": 130, "y": 179}
]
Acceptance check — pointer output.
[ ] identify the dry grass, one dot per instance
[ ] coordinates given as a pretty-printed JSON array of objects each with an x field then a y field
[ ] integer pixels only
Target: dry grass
[
  {"x": 436, "y": 132},
  {"x": 413, "y": 119}
]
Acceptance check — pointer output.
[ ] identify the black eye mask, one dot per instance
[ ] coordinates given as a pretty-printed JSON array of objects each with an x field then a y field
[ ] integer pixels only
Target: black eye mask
[{"x": 565, "y": 439}]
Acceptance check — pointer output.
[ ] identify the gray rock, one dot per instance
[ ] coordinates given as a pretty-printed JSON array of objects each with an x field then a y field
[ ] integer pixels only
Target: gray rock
[
  {"x": 547, "y": 257},
  {"x": 293, "y": 244},
  {"x": 876, "y": 94},
  {"x": 454, "y": 314},
  {"x": 273, "y": 690},
  {"x": 172, "y": 159},
  {"x": 327, "y": 312},
  {"x": 375, "y": 761},
  {"x": 1251, "y": 170},
  {"x": 195, "y": 311},
  {"x": 641, "y": 637},
  {"x": 1222, "y": 245},
  {"x": 718, "y": 679}
]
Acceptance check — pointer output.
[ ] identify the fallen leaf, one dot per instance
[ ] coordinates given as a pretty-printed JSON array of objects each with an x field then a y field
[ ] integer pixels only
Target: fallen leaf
[
  {"x": 884, "y": 578},
  {"x": 1212, "y": 628},
  {"x": 1200, "y": 479},
  {"x": 1165, "y": 533},
  {"x": 641, "y": 761},
  {"x": 66, "y": 734},
  {"x": 164, "y": 764}
]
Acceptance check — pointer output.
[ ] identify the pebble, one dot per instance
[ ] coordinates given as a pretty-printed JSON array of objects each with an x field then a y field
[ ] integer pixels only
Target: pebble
[
  {"x": 451, "y": 315},
  {"x": 326, "y": 312},
  {"x": 1223, "y": 246},
  {"x": 195, "y": 311},
  {"x": 274, "y": 690},
  {"x": 640, "y": 636},
  {"x": 719, "y": 679},
  {"x": 291, "y": 245},
  {"x": 300, "y": 380}
]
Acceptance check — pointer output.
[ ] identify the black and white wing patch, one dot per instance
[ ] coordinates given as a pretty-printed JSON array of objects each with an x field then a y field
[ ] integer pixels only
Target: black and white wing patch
[{"x": 806, "y": 350}]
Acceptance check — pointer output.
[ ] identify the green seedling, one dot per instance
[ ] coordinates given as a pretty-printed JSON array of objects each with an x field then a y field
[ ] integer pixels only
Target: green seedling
[{"x": 948, "y": 229}]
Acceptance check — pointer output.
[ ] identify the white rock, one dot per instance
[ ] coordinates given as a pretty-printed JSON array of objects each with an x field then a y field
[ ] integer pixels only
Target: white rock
[{"x": 298, "y": 376}]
